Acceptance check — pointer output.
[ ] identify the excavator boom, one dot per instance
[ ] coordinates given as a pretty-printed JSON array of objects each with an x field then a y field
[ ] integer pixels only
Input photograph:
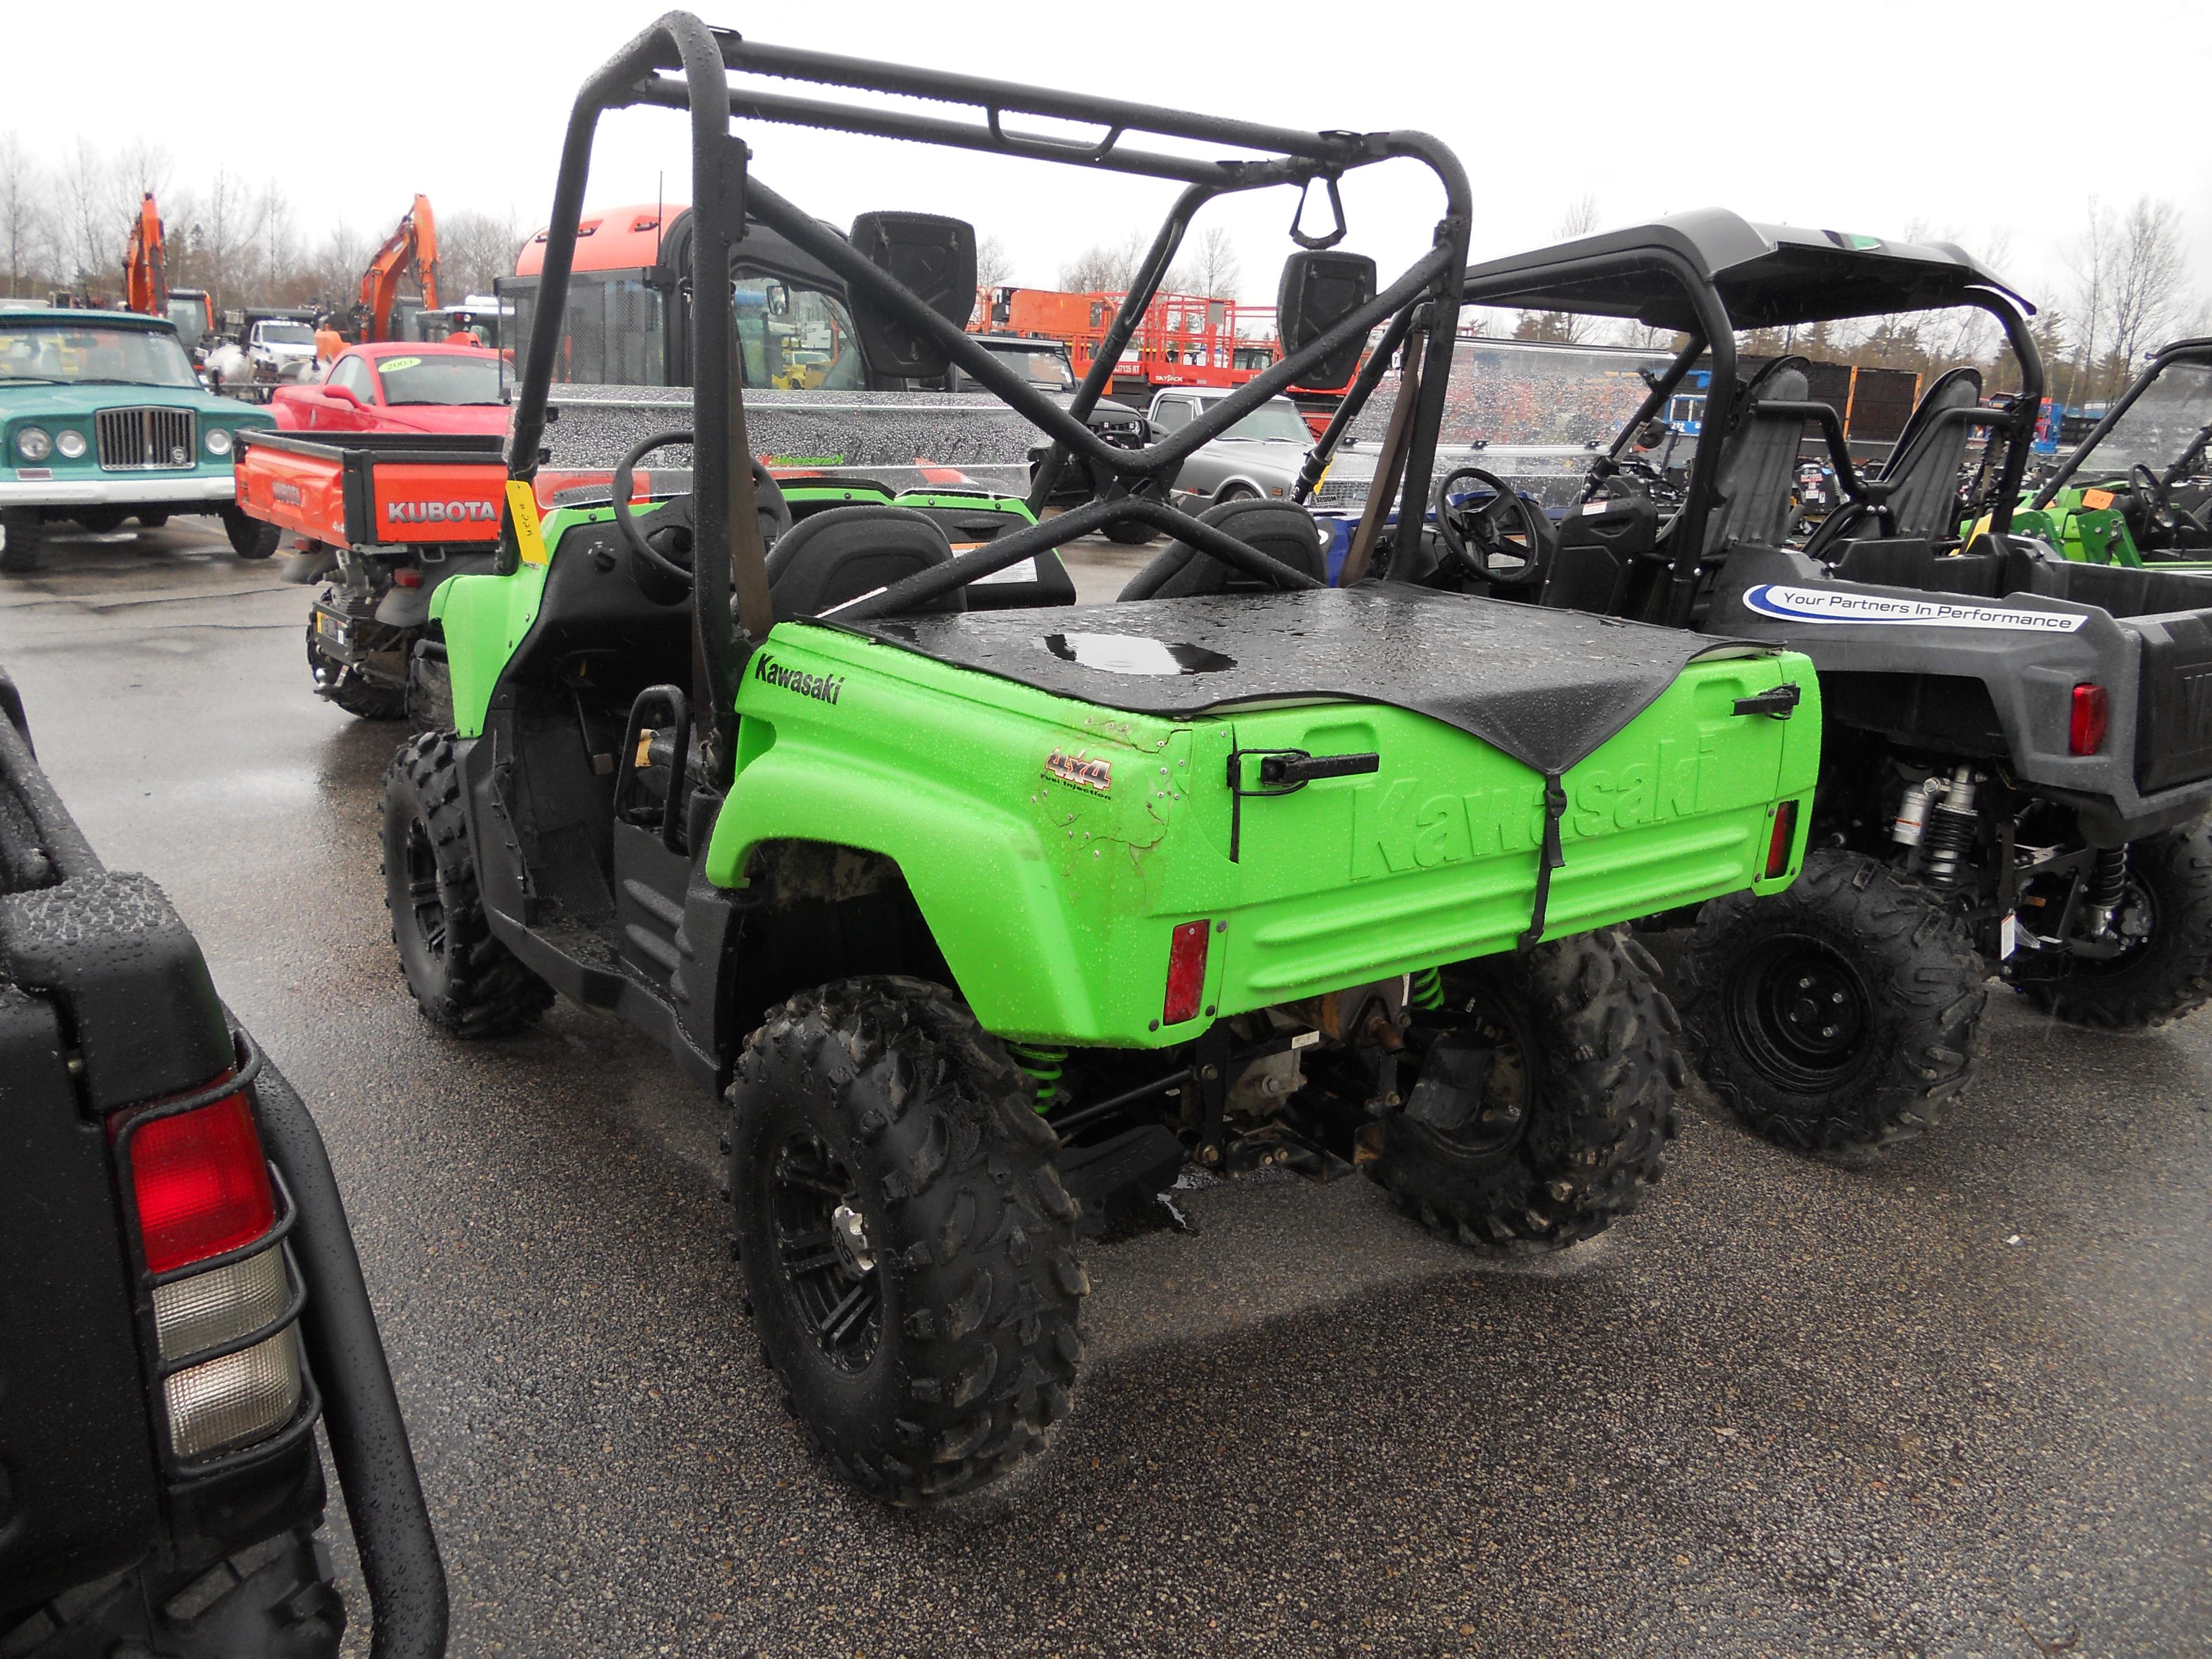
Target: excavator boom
[
  {"x": 145, "y": 265},
  {"x": 414, "y": 245}
]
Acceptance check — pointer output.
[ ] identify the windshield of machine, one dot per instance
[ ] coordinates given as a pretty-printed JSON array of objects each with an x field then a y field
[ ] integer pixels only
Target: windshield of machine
[
  {"x": 440, "y": 380},
  {"x": 1278, "y": 419},
  {"x": 2158, "y": 425},
  {"x": 122, "y": 356},
  {"x": 1047, "y": 365},
  {"x": 286, "y": 334},
  {"x": 795, "y": 339}
]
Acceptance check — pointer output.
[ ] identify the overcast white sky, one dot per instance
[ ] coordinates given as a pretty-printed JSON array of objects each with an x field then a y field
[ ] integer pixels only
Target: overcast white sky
[{"x": 1869, "y": 117}]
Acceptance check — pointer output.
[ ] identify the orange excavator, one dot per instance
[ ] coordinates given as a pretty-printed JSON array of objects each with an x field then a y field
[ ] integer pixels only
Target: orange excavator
[
  {"x": 414, "y": 244},
  {"x": 145, "y": 267}
]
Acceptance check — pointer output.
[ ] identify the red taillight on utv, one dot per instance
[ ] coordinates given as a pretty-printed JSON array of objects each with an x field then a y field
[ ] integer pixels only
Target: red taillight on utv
[
  {"x": 1186, "y": 972},
  {"x": 227, "y": 1341},
  {"x": 1784, "y": 838},
  {"x": 201, "y": 1184},
  {"x": 2092, "y": 713}
]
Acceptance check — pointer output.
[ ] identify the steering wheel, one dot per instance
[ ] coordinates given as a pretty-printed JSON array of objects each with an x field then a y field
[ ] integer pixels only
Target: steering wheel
[
  {"x": 1474, "y": 535},
  {"x": 2160, "y": 509},
  {"x": 677, "y": 523}
]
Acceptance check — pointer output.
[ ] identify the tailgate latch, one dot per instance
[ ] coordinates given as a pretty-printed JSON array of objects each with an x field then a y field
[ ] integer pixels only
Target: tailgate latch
[
  {"x": 1781, "y": 703},
  {"x": 1283, "y": 772}
]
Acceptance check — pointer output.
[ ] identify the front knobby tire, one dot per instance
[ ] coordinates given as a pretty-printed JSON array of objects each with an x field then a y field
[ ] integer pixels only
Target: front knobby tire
[
  {"x": 1839, "y": 1013},
  {"x": 465, "y": 981},
  {"x": 2169, "y": 972},
  {"x": 908, "y": 1247},
  {"x": 1577, "y": 1103}
]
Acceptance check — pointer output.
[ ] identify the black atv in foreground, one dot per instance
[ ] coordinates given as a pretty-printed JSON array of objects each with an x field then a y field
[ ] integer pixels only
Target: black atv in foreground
[
  {"x": 183, "y": 1303},
  {"x": 2017, "y": 757}
]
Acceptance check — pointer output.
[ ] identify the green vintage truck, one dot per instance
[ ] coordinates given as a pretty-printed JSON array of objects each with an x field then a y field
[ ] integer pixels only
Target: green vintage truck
[{"x": 102, "y": 418}]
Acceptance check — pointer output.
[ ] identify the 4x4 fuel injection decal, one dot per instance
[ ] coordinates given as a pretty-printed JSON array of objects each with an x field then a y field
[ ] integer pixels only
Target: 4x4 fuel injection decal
[{"x": 1821, "y": 604}]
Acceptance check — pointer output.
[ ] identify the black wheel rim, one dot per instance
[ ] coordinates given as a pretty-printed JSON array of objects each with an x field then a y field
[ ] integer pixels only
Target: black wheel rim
[
  {"x": 2137, "y": 900},
  {"x": 1801, "y": 1011},
  {"x": 425, "y": 904},
  {"x": 823, "y": 1252},
  {"x": 1502, "y": 1108}
]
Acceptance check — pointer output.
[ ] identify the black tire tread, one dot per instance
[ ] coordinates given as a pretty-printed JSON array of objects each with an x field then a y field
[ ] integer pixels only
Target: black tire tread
[
  {"x": 2174, "y": 976},
  {"x": 1932, "y": 986},
  {"x": 982, "y": 1232},
  {"x": 1606, "y": 1072},
  {"x": 485, "y": 990}
]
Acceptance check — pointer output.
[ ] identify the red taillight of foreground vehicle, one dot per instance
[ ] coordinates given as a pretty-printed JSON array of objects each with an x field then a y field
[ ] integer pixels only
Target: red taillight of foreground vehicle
[
  {"x": 1186, "y": 972},
  {"x": 201, "y": 1184},
  {"x": 2092, "y": 713},
  {"x": 1784, "y": 838}
]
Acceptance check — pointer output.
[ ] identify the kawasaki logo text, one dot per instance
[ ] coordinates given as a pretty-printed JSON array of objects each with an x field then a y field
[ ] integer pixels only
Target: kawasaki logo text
[
  {"x": 441, "y": 513},
  {"x": 822, "y": 688}
]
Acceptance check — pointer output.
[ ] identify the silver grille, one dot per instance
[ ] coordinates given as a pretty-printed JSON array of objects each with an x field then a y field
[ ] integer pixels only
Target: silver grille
[{"x": 146, "y": 439}]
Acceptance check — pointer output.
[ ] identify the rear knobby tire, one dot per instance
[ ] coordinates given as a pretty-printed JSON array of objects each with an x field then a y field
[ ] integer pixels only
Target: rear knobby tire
[
  {"x": 1579, "y": 1101},
  {"x": 2170, "y": 973},
  {"x": 250, "y": 537},
  {"x": 1839, "y": 1013},
  {"x": 880, "y": 1104},
  {"x": 342, "y": 683},
  {"x": 465, "y": 981},
  {"x": 1130, "y": 532}
]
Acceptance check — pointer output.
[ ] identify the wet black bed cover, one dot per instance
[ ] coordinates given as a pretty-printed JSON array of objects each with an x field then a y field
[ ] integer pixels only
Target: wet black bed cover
[{"x": 1547, "y": 687}]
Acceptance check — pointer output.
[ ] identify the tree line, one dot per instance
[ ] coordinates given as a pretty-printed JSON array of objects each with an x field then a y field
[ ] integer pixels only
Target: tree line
[{"x": 66, "y": 220}]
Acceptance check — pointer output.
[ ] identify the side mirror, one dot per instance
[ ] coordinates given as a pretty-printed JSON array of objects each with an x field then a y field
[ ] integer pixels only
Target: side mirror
[
  {"x": 935, "y": 258},
  {"x": 1319, "y": 290},
  {"x": 344, "y": 394},
  {"x": 779, "y": 300}
]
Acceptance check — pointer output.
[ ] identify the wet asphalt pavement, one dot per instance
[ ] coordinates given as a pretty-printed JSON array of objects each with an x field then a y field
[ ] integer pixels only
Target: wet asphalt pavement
[{"x": 1956, "y": 1401}]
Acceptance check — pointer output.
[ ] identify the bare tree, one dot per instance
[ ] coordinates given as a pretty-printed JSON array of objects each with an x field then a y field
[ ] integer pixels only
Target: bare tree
[
  {"x": 91, "y": 237},
  {"x": 23, "y": 227},
  {"x": 1565, "y": 327},
  {"x": 2089, "y": 265},
  {"x": 475, "y": 249},
  {"x": 1215, "y": 269},
  {"x": 1112, "y": 268},
  {"x": 994, "y": 266},
  {"x": 2146, "y": 282},
  {"x": 336, "y": 269}
]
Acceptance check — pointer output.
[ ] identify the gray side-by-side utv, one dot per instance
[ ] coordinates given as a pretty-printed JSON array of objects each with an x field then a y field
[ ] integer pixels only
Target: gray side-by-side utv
[{"x": 2017, "y": 757}]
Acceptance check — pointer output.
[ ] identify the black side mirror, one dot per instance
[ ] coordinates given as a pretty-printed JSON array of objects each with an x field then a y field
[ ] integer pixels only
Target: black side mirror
[
  {"x": 935, "y": 258},
  {"x": 1319, "y": 290}
]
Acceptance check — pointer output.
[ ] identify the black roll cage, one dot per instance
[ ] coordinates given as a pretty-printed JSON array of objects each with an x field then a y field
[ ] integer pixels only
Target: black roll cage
[
  {"x": 2198, "y": 350},
  {"x": 680, "y": 62},
  {"x": 1550, "y": 283}
]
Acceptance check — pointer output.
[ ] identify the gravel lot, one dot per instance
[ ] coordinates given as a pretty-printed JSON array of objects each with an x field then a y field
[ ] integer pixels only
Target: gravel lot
[{"x": 1954, "y": 1401}]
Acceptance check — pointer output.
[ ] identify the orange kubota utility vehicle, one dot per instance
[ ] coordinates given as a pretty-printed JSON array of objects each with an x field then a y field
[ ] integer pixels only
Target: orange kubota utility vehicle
[{"x": 414, "y": 243}]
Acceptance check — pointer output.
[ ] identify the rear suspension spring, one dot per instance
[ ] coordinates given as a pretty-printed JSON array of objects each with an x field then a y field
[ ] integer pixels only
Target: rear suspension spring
[
  {"x": 1427, "y": 989},
  {"x": 2108, "y": 884},
  {"x": 1044, "y": 1065},
  {"x": 1949, "y": 835}
]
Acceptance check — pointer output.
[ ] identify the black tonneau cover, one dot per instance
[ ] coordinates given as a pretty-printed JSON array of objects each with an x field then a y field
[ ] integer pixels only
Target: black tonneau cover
[{"x": 1547, "y": 687}]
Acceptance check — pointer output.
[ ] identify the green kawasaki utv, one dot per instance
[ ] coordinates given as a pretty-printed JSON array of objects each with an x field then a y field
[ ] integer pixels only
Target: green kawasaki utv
[
  {"x": 1044, "y": 902},
  {"x": 2138, "y": 490}
]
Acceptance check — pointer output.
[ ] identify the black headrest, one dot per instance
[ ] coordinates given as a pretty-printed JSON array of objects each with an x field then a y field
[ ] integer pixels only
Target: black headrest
[
  {"x": 829, "y": 559},
  {"x": 1282, "y": 531}
]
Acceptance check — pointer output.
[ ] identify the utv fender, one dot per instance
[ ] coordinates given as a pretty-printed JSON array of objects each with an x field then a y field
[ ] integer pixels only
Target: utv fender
[{"x": 979, "y": 875}]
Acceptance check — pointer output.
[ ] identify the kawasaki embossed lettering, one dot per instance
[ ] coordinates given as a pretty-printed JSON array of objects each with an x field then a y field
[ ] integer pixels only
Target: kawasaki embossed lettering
[
  {"x": 441, "y": 513},
  {"x": 822, "y": 688},
  {"x": 1404, "y": 825},
  {"x": 1832, "y": 605}
]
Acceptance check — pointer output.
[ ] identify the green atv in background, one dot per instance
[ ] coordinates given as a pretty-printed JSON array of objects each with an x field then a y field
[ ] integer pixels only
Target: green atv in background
[
  {"x": 1043, "y": 903},
  {"x": 2138, "y": 490}
]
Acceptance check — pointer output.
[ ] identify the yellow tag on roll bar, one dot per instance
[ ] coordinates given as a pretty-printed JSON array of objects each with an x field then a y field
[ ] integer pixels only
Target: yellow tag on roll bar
[{"x": 522, "y": 507}]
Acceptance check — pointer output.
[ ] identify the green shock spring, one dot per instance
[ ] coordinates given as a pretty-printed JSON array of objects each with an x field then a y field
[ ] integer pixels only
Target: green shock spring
[
  {"x": 1042, "y": 1064},
  {"x": 1428, "y": 988}
]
